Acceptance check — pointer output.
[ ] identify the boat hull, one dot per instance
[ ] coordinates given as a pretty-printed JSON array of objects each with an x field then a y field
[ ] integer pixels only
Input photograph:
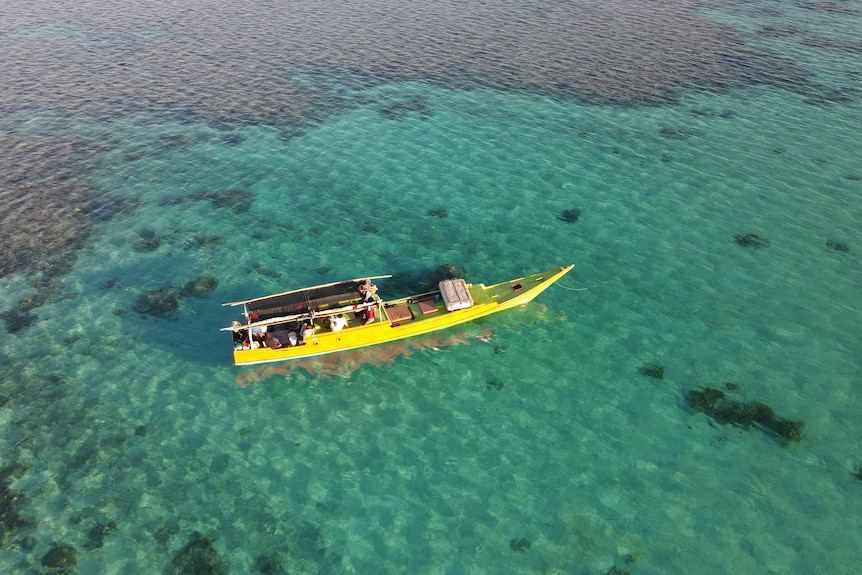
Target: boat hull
[{"x": 413, "y": 319}]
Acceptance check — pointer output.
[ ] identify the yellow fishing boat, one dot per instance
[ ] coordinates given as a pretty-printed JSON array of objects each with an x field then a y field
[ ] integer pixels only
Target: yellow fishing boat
[{"x": 350, "y": 314}]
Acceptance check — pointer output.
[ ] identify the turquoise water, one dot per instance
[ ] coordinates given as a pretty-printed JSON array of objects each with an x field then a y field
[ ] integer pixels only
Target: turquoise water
[{"x": 125, "y": 434}]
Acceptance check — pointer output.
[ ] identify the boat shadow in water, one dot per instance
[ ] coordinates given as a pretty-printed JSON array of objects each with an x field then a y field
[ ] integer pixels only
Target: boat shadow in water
[{"x": 344, "y": 364}]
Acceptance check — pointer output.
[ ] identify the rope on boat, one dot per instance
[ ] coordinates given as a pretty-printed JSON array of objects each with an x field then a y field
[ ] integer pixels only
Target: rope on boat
[{"x": 579, "y": 289}]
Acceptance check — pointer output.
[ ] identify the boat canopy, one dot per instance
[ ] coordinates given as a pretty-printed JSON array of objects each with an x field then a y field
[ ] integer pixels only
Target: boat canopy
[{"x": 305, "y": 301}]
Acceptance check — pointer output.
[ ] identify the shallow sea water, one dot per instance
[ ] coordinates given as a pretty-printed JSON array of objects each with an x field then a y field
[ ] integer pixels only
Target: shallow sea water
[{"x": 127, "y": 436}]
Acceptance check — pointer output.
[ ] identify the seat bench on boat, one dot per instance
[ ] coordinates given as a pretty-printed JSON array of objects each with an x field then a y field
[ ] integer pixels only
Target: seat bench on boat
[
  {"x": 399, "y": 313},
  {"x": 427, "y": 306}
]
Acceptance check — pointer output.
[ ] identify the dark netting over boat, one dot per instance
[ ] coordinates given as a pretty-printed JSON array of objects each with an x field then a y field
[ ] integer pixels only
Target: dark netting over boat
[{"x": 304, "y": 301}]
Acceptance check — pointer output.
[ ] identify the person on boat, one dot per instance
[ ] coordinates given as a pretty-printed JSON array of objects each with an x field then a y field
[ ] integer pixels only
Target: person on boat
[
  {"x": 367, "y": 291},
  {"x": 239, "y": 335},
  {"x": 338, "y": 322},
  {"x": 271, "y": 341},
  {"x": 368, "y": 315},
  {"x": 307, "y": 330},
  {"x": 258, "y": 333}
]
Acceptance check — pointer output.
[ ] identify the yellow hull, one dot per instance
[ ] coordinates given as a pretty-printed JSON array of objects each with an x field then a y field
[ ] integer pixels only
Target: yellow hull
[{"x": 486, "y": 300}]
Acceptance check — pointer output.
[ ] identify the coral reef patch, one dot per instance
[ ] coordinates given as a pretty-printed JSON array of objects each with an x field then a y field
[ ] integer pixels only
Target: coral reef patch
[
  {"x": 62, "y": 559},
  {"x": 553, "y": 51},
  {"x": 21, "y": 317},
  {"x": 199, "y": 287},
  {"x": 403, "y": 107},
  {"x": 840, "y": 247},
  {"x": 18, "y": 319},
  {"x": 238, "y": 201},
  {"x": 569, "y": 216},
  {"x": 750, "y": 240},
  {"x": 198, "y": 557},
  {"x": 163, "y": 301},
  {"x": 204, "y": 242},
  {"x": 520, "y": 544},
  {"x": 10, "y": 500},
  {"x": 147, "y": 241},
  {"x": 47, "y": 206},
  {"x": 97, "y": 533},
  {"x": 837, "y": 96},
  {"x": 447, "y": 272},
  {"x": 653, "y": 370},
  {"x": 716, "y": 404},
  {"x": 157, "y": 302},
  {"x": 270, "y": 564}
]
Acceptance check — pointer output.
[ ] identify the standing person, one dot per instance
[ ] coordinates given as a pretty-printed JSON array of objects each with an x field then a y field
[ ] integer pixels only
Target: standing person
[{"x": 367, "y": 291}]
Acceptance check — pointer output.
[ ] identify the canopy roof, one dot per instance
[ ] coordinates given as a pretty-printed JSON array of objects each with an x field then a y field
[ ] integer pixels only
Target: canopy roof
[{"x": 306, "y": 300}]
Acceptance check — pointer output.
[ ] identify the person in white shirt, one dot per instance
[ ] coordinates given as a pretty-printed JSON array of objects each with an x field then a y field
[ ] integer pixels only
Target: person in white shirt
[{"x": 338, "y": 322}]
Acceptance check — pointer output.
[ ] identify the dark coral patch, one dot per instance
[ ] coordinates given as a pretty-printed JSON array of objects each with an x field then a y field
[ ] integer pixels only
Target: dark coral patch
[
  {"x": 10, "y": 500},
  {"x": 653, "y": 370},
  {"x": 62, "y": 559},
  {"x": 266, "y": 272},
  {"x": 838, "y": 96},
  {"x": 232, "y": 139},
  {"x": 569, "y": 216},
  {"x": 751, "y": 241},
  {"x": 520, "y": 545},
  {"x": 838, "y": 246},
  {"x": 402, "y": 108},
  {"x": 198, "y": 557},
  {"x": 239, "y": 201},
  {"x": 22, "y": 317},
  {"x": 270, "y": 564},
  {"x": 199, "y": 287},
  {"x": 106, "y": 209},
  {"x": 97, "y": 533},
  {"x": 158, "y": 302},
  {"x": 205, "y": 242},
  {"x": 722, "y": 409},
  {"x": 147, "y": 241},
  {"x": 47, "y": 206},
  {"x": 19, "y": 319},
  {"x": 447, "y": 272}
]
